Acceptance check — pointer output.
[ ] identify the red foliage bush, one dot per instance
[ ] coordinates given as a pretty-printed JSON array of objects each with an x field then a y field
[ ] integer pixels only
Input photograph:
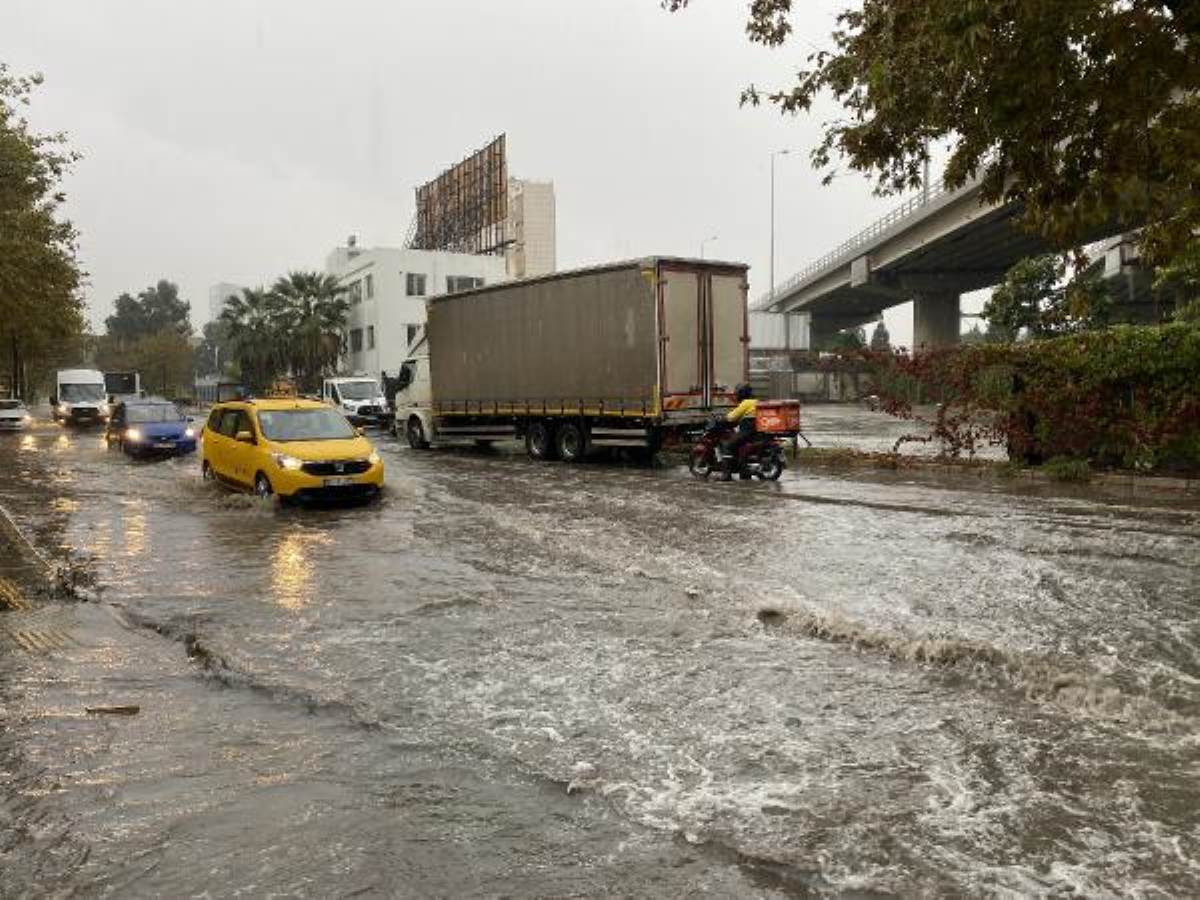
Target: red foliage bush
[{"x": 1123, "y": 397}]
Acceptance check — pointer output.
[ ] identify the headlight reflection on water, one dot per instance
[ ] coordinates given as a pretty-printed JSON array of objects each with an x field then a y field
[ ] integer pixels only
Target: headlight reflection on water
[
  {"x": 135, "y": 532},
  {"x": 291, "y": 567}
]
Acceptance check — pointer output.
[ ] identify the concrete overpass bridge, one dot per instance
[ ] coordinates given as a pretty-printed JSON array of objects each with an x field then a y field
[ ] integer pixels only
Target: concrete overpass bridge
[{"x": 930, "y": 250}]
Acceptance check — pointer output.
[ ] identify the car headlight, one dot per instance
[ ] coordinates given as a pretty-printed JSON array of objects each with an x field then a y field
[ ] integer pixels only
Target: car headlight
[
  {"x": 287, "y": 462},
  {"x": 374, "y": 458},
  {"x": 189, "y": 432},
  {"x": 133, "y": 434},
  {"x": 63, "y": 408}
]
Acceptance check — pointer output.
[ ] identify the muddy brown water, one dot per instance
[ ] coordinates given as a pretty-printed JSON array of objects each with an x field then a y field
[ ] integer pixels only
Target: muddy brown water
[{"x": 539, "y": 680}]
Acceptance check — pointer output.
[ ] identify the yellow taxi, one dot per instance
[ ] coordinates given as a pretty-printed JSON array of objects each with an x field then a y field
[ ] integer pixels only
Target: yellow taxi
[{"x": 292, "y": 447}]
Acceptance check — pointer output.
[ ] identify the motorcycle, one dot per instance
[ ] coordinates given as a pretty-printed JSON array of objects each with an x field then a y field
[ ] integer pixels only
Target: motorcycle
[{"x": 759, "y": 457}]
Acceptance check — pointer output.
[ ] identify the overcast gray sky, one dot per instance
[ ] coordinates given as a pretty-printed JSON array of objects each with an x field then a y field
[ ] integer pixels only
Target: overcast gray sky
[{"x": 233, "y": 140}]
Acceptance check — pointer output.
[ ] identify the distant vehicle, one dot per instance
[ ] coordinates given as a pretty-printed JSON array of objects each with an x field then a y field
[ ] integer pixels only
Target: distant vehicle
[
  {"x": 13, "y": 415},
  {"x": 291, "y": 447},
  {"x": 79, "y": 397},
  {"x": 634, "y": 354},
  {"x": 122, "y": 386},
  {"x": 359, "y": 397},
  {"x": 150, "y": 427}
]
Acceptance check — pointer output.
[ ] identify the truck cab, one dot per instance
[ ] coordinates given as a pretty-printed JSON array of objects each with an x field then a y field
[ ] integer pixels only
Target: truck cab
[
  {"x": 359, "y": 397},
  {"x": 413, "y": 404},
  {"x": 79, "y": 397}
]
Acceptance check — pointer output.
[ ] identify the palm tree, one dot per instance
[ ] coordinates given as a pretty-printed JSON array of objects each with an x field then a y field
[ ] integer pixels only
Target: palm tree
[
  {"x": 313, "y": 308},
  {"x": 256, "y": 338}
]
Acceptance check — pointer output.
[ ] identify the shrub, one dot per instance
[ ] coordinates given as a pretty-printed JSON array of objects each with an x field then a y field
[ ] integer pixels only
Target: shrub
[{"x": 1124, "y": 397}]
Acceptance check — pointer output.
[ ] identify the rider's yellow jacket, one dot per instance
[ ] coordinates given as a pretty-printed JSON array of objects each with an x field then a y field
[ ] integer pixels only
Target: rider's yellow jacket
[{"x": 748, "y": 408}]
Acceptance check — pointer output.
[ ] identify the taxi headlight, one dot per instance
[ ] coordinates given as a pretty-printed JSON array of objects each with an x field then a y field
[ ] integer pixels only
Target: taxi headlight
[
  {"x": 287, "y": 462},
  {"x": 374, "y": 458},
  {"x": 132, "y": 434}
]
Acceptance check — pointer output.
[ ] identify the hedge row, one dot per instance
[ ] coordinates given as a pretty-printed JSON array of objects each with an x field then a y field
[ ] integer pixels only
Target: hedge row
[{"x": 1123, "y": 397}]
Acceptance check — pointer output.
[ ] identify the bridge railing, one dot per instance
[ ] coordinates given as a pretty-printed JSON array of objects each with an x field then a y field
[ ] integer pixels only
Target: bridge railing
[{"x": 849, "y": 249}]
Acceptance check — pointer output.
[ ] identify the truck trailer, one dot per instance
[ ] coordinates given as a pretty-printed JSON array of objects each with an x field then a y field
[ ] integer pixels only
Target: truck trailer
[
  {"x": 122, "y": 386},
  {"x": 632, "y": 354}
]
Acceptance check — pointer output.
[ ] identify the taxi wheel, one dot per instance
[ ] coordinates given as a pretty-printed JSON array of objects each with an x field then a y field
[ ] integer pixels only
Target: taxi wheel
[
  {"x": 206, "y": 471},
  {"x": 262, "y": 485}
]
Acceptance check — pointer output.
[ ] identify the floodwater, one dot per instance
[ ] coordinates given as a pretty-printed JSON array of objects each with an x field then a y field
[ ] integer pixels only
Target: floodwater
[{"x": 509, "y": 678}]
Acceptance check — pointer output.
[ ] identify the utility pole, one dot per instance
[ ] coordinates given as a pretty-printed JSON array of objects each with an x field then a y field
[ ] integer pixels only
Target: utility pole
[{"x": 771, "y": 272}]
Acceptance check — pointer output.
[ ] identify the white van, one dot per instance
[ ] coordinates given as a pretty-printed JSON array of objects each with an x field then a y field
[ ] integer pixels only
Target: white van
[
  {"x": 79, "y": 397},
  {"x": 359, "y": 397}
]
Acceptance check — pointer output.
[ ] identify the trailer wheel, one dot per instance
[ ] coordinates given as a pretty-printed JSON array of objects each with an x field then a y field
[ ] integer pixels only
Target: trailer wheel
[
  {"x": 570, "y": 442},
  {"x": 539, "y": 440},
  {"x": 415, "y": 433}
]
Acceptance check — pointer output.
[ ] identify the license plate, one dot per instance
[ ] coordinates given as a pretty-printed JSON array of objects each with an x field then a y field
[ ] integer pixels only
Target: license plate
[
  {"x": 164, "y": 445},
  {"x": 338, "y": 482}
]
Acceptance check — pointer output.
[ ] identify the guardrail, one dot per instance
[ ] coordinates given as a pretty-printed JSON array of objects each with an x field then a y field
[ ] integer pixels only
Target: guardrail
[{"x": 849, "y": 249}]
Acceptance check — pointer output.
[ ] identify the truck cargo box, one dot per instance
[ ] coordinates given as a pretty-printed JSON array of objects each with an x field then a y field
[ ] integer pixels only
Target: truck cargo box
[{"x": 659, "y": 337}]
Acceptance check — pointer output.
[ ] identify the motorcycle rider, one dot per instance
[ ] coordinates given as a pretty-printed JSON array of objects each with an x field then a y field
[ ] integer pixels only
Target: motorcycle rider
[{"x": 744, "y": 415}]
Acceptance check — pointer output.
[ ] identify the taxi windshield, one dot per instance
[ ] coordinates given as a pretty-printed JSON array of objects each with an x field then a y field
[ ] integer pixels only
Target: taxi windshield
[
  {"x": 158, "y": 412},
  {"x": 304, "y": 425}
]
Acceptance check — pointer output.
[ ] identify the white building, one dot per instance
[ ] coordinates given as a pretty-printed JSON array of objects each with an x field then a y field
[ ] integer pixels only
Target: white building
[
  {"x": 769, "y": 331},
  {"x": 387, "y": 291},
  {"x": 531, "y": 227},
  {"x": 217, "y": 295}
]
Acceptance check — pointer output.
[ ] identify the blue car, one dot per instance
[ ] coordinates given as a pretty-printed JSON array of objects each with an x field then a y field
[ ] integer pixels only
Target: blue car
[{"x": 150, "y": 427}]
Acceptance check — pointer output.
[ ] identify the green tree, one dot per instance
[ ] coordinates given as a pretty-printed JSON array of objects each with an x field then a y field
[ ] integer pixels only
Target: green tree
[
  {"x": 1034, "y": 299},
  {"x": 153, "y": 310},
  {"x": 1177, "y": 285},
  {"x": 850, "y": 339},
  {"x": 163, "y": 358},
  {"x": 41, "y": 312},
  {"x": 212, "y": 354},
  {"x": 313, "y": 309},
  {"x": 256, "y": 339},
  {"x": 881, "y": 341},
  {"x": 974, "y": 335},
  {"x": 1085, "y": 111}
]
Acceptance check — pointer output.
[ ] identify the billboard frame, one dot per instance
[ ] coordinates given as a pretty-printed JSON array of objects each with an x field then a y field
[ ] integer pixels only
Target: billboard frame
[{"x": 465, "y": 209}]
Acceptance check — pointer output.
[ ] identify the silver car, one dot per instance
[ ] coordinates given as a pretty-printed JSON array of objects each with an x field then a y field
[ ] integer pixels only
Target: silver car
[{"x": 13, "y": 415}]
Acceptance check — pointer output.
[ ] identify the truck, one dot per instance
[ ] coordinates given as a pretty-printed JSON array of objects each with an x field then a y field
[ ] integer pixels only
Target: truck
[
  {"x": 359, "y": 397},
  {"x": 79, "y": 397},
  {"x": 122, "y": 386},
  {"x": 633, "y": 354}
]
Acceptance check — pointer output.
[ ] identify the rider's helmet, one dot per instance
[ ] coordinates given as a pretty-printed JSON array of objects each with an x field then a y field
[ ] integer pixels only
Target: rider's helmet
[{"x": 743, "y": 392}]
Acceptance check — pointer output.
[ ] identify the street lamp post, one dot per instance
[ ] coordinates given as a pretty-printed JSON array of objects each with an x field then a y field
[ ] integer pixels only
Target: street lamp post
[
  {"x": 771, "y": 272},
  {"x": 705, "y": 241}
]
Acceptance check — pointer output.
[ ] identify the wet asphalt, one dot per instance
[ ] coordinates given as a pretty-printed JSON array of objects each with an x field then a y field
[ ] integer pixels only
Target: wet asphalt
[{"x": 509, "y": 678}]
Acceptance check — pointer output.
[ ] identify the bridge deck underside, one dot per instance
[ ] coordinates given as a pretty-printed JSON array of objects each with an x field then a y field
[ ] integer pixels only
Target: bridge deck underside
[{"x": 965, "y": 259}]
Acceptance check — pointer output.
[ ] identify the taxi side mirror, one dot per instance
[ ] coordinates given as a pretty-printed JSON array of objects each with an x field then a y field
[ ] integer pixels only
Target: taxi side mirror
[{"x": 245, "y": 437}]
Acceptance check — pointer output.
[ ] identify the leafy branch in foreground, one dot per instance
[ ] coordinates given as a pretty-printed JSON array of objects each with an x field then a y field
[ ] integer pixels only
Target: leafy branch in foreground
[{"x": 1086, "y": 111}]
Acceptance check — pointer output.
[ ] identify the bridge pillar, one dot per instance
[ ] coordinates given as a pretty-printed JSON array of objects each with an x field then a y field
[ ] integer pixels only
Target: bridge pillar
[
  {"x": 822, "y": 333},
  {"x": 935, "y": 320}
]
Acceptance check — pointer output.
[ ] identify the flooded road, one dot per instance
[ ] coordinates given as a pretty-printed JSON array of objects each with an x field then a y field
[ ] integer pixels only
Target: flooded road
[{"x": 510, "y": 678}]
